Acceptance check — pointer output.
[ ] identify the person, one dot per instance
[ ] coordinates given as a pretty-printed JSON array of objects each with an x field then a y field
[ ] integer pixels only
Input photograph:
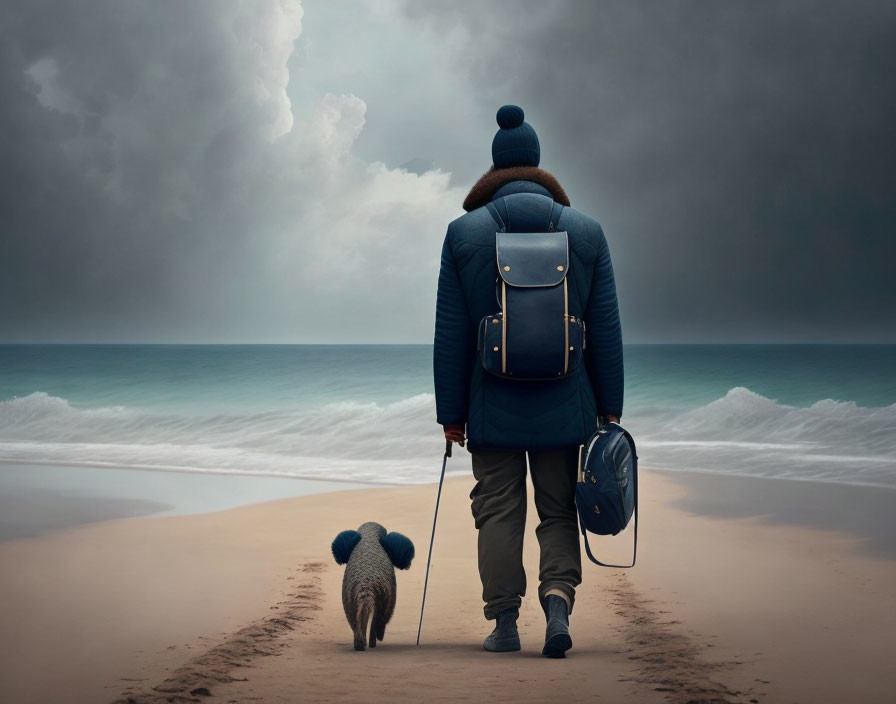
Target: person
[{"x": 505, "y": 421}]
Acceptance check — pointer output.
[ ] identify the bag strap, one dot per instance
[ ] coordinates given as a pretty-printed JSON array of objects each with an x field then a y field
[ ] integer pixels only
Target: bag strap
[
  {"x": 496, "y": 216},
  {"x": 556, "y": 209},
  {"x": 553, "y": 217},
  {"x": 635, "y": 480}
]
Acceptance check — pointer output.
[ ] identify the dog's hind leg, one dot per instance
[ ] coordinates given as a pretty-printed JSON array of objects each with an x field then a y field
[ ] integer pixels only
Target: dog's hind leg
[
  {"x": 385, "y": 606},
  {"x": 380, "y": 625},
  {"x": 372, "y": 641},
  {"x": 362, "y": 616}
]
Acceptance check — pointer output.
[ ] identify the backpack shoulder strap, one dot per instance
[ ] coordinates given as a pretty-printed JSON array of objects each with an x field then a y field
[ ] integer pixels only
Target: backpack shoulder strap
[
  {"x": 498, "y": 211},
  {"x": 553, "y": 217},
  {"x": 556, "y": 209},
  {"x": 496, "y": 216}
]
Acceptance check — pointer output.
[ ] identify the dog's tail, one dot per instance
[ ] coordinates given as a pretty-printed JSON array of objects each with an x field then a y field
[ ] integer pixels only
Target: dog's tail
[{"x": 363, "y": 614}]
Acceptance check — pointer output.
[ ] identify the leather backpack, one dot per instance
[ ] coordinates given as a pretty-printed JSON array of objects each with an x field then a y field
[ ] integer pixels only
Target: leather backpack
[{"x": 532, "y": 335}]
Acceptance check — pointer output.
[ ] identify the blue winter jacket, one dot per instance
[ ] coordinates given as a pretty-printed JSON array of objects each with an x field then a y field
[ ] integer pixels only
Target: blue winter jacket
[{"x": 516, "y": 414}]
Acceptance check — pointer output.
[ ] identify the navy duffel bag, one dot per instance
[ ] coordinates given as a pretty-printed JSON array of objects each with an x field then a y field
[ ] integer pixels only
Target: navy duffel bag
[{"x": 607, "y": 490}]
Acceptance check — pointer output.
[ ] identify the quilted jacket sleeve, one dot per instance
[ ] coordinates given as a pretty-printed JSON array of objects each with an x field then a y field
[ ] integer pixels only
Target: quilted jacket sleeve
[
  {"x": 452, "y": 343},
  {"x": 603, "y": 347}
]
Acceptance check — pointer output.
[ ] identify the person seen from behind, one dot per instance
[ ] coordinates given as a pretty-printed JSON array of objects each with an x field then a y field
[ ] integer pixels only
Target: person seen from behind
[{"x": 505, "y": 422}]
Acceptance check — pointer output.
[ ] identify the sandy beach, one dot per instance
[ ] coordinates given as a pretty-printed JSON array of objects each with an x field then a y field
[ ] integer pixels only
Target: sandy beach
[{"x": 244, "y": 605}]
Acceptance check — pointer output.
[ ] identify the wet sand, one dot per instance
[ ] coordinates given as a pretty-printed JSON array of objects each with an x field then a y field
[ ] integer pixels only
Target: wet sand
[{"x": 41, "y": 498}]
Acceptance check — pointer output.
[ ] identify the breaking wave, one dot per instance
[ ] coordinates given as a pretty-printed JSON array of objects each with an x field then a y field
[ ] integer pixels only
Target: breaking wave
[
  {"x": 352, "y": 441},
  {"x": 747, "y": 433},
  {"x": 740, "y": 433}
]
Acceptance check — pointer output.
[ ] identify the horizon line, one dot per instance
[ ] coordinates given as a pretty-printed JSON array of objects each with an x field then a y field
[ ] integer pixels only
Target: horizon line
[{"x": 412, "y": 344}]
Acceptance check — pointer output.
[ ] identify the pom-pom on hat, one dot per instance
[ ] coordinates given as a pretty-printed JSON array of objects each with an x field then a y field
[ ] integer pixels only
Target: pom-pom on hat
[{"x": 516, "y": 143}]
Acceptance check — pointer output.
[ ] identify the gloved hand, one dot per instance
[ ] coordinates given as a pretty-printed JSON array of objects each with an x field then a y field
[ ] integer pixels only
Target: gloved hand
[{"x": 455, "y": 433}]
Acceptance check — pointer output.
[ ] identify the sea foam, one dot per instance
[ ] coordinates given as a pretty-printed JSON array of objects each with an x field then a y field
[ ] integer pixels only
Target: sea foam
[{"x": 361, "y": 441}]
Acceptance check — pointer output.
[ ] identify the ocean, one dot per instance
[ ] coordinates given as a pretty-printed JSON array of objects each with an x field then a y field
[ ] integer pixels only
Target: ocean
[{"x": 366, "y": 413}]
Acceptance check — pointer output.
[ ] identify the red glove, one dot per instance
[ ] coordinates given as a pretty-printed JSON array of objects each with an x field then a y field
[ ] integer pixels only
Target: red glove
[{"x": 455, "y": 433}]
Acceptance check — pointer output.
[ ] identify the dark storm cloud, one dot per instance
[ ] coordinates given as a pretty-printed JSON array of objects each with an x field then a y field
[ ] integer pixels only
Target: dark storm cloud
[
  {"x": 214, "y": 171},
  {"x": 740, "y": 155},
  {"x": 160, "y": 185},
  {"x": 106, "y": 162}
]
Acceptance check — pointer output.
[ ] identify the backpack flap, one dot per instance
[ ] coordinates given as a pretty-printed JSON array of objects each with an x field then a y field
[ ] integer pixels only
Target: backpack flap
[{"x": 532, "y": 258}]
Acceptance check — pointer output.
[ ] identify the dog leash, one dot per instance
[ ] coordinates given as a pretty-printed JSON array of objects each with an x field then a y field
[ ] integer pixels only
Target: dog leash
[{"x": 433, "y": 537}]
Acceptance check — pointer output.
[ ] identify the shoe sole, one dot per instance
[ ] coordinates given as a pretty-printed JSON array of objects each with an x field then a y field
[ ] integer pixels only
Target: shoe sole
[{"x": 557, "y": 645}]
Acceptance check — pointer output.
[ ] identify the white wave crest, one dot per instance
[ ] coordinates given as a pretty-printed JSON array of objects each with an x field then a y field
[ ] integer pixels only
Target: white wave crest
[
  {"x": 747, "y": 433},
  {"x": 740, "y": 433},
  {"x": 355, "y": 441}
]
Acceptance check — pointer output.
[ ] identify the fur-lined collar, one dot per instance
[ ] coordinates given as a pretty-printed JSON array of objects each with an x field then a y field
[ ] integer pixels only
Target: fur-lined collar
[{"x": 493, "y": 179}]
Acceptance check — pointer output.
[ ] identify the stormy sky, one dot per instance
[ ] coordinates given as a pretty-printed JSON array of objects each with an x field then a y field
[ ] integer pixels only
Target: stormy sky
[{"x": 213, "y": 171}]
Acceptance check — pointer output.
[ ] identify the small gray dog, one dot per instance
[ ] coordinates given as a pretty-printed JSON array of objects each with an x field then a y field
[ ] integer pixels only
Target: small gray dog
[{"x": 368, "y": 586}]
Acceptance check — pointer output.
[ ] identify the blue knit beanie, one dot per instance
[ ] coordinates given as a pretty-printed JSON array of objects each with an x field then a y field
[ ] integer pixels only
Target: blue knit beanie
[{"x": 516, "y": 143}]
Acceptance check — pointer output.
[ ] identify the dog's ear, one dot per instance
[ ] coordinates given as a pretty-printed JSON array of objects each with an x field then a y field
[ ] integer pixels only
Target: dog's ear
[
  {"x": 399, "y": 549},
  {"x": 344, "y": 544}
]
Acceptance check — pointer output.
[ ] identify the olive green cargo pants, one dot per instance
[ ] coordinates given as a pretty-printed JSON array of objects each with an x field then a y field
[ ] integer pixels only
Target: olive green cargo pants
[{"x": 499, "y": 509}]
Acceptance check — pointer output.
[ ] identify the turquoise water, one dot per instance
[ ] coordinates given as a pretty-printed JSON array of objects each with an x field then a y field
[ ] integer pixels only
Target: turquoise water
[{"x": 367, "y": 413}]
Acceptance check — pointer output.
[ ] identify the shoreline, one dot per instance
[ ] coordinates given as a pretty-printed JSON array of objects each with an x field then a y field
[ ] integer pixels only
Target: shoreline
[
  {"x": 38, "y": 499},
  {"x": 63, "y": 499},
  {"x": 182, "y": 470}
]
